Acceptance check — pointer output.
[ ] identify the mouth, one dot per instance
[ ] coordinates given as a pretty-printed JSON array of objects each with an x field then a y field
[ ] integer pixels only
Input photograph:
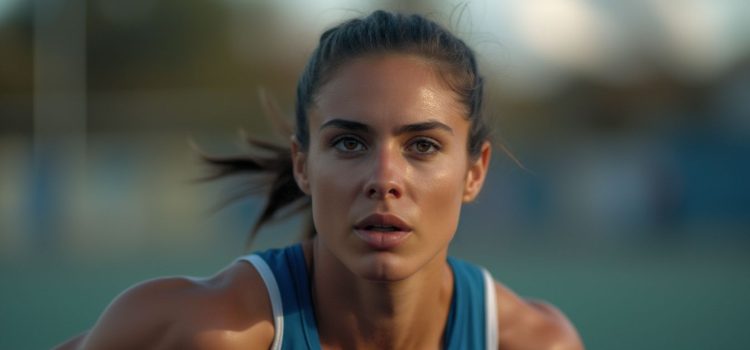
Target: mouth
[{"x": 382, "y": 231}]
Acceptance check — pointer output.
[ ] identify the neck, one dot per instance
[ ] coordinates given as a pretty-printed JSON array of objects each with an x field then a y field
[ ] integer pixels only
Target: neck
[{"x": 355, "y": 313}]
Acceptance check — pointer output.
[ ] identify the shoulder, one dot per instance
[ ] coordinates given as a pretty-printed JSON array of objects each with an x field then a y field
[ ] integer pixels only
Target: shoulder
[
  {"x": 223, "y": 311},
  {"x": 530, "y": 324}
]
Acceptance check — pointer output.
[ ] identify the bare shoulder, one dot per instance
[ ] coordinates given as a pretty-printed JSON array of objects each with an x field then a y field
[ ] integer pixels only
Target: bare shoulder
[
  {"x": 529, "y": 324},
  {"x": 228, "y": 310}
]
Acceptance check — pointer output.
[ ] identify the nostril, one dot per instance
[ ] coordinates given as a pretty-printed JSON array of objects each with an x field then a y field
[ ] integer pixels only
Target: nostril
[{"x": 382, "y": 190}]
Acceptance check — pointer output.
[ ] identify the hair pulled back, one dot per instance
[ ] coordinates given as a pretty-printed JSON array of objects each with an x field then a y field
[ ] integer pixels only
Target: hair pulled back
[{"x": 379, "y": 33}]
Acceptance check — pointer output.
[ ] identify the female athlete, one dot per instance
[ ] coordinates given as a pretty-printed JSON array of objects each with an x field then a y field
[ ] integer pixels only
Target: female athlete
[{"x": 389, "y": 143}]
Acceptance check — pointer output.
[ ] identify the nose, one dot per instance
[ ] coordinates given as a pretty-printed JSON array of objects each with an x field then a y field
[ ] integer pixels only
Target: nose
[{"x": 386, "y": 175}]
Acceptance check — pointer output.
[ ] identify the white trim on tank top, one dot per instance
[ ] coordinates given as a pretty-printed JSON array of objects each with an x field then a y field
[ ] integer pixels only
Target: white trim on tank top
[
  {"x": 273, "y": 293},
  {"x": 278, "y": 314},
  {"x": 490, "y": 307}
]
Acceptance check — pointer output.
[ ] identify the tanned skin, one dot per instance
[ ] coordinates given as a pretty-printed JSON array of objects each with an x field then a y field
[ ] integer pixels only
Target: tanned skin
[
  {"x": 231, "y": 310},
  {"x": 387, "y": 137}
]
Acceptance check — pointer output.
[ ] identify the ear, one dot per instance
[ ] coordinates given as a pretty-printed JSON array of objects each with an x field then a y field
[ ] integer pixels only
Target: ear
[
  {"x": 476, "y": 173},
  {"x": 299, "y": 166}
]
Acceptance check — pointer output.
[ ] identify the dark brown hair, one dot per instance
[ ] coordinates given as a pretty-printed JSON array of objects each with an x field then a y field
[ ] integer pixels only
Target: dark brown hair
[{"x": 380, "y": 32}]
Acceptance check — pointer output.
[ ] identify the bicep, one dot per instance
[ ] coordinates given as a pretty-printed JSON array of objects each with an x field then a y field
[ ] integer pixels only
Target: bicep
[
  {"x": 548, "y": 310},
  {"x": 533, "y": 324},
  {"x": 560, "y": 327},
  {"x": 227, "y": 310},
  {"x": 137, "y": 318}
]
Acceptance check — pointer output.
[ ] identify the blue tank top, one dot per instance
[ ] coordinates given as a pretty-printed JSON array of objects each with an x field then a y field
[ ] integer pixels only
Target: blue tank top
[{"x": 471, "y": 324}]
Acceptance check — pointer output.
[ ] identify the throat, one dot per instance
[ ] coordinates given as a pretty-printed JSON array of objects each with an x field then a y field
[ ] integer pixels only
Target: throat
[{"x": 351, "y": 312}]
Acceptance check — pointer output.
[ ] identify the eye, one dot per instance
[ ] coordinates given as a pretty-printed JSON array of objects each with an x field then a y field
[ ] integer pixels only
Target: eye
[
  {"x": 348, "y": 144},
  {"x": 424, "y": 146}
]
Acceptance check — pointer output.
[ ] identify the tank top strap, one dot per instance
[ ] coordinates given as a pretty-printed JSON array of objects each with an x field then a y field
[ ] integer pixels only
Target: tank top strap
[
  {"x": 288, "y": 269},
  {"x": 472, "y": 319},
  {"x": 471, "y": 324}
]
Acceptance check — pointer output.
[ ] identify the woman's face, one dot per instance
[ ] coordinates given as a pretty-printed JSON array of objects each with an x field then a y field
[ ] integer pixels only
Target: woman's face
[{"x": 387, "y": 166}]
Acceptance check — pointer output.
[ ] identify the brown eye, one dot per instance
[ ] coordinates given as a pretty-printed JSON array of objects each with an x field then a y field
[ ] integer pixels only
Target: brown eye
[
  {"x": 348, "y": 144},
  {"x": 424, "y": 147}
]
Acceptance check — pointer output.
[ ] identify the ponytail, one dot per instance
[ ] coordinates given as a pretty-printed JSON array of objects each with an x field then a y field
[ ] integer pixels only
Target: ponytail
[
  {"x": 270, "y": 166},
  {"x": 268, "y": 171}
]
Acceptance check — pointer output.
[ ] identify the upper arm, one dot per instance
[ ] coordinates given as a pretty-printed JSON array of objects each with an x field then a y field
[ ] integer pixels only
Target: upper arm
[
  {"x": 529, "y": 324},
  {"x": 140, "y": 317},
  {"x": 559, "y": 330},
  {"x": 230, "y": 310}
]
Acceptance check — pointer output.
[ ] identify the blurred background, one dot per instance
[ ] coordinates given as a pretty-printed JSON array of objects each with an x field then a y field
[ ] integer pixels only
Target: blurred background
[{"x": 632, "y": 118}]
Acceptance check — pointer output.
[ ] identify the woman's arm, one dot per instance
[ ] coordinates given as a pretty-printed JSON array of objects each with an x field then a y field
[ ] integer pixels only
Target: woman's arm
[
  {"x": 225, "y": 311},
  {"x": 137, "y": 318},
  {"x": 530, "y": 324}
]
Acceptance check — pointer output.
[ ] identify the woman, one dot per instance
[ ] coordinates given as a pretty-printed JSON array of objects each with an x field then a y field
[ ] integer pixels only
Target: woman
[{"x": 389, "y": 143}]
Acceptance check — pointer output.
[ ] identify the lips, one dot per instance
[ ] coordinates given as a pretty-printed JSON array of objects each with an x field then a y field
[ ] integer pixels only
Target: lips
[{"x": 382, "y": 231}]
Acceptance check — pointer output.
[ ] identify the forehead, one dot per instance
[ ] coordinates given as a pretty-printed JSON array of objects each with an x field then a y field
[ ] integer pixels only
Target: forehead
[{"x": 389, "y": 88}]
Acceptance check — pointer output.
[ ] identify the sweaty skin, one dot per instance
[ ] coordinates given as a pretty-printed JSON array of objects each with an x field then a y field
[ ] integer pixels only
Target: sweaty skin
[
  {"x": 386, "y": 171},
  {"x": 387, "y": 138}
]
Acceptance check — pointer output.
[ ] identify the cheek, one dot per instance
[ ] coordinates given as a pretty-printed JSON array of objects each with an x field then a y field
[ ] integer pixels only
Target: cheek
[
  {"x": 439, "y": 197},
  {"x": 332, "y": 192}
]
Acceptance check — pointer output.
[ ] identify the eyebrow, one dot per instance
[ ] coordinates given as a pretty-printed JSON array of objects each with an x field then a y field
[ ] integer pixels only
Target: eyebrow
[
  {"x": 409, "y": 128},
  {"x": 429, "y": 125},
  {"x": 345, "y": 124}
]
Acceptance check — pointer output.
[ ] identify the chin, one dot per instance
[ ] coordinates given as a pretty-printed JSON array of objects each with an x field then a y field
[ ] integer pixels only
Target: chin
[{"x": 384, "y": 267}]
